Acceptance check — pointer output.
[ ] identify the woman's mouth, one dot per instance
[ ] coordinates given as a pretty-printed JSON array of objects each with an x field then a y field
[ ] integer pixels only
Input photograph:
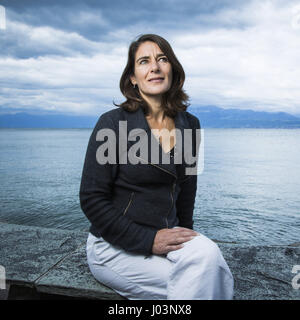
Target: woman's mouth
[{"x": 158, "y": 79}]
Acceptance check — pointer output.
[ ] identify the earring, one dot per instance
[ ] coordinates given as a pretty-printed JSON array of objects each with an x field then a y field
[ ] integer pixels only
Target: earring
[{"x": 134, "y": 86}]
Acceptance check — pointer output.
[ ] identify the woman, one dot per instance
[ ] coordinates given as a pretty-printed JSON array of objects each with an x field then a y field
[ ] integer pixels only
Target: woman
[{"x": 141, "y": 241}]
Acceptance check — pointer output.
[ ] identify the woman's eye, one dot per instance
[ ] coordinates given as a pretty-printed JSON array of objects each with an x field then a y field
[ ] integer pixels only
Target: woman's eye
[{"x": 165, "y": 59}]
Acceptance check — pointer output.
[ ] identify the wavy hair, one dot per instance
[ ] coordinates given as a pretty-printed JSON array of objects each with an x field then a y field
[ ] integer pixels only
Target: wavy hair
[{"x": 174, "y": 100}]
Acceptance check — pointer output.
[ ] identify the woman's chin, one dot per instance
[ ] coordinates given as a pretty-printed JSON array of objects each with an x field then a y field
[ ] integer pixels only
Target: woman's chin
[{"x": 153, "y": 93}]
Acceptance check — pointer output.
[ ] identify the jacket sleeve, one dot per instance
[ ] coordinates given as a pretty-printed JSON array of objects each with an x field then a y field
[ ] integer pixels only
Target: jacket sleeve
[
  {"x": 185, "y": 202},
  {"x": 95, "y": 195},
  {"x": 188, "y": 188}
]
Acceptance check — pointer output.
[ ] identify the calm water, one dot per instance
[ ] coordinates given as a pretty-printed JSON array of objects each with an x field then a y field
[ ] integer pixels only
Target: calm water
[{"x": 249, "y": 191}]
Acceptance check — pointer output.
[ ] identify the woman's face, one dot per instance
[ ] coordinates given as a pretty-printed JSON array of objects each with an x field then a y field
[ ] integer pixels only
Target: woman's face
[{"x": 152, "y": 70}]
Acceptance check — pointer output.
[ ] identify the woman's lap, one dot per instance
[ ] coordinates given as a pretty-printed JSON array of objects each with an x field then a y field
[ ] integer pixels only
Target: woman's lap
[
  {"x": 132, "y": 275},
  {"x": 160, "y": 277}
]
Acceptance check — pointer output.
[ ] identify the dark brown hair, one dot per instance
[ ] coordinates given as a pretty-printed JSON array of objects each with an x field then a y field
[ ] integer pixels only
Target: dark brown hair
[{"x": 174, "y": 100}]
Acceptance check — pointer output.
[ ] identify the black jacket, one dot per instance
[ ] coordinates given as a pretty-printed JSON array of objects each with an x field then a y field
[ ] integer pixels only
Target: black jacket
[{"x": 128, "y": 203}]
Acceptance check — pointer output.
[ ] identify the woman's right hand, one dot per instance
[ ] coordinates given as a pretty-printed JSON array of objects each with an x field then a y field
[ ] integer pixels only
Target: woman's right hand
[{"x": 167, "y": 240}]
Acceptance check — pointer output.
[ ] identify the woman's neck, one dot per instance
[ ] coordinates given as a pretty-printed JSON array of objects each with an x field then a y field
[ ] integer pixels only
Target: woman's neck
[
  {"x": 156, "y": 114},
  {"x": 155, "y": 111}
]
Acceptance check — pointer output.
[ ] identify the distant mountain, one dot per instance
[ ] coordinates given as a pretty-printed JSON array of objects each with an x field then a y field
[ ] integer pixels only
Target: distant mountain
[
  {"x": 215, "y": 117},
  {"x": 210, "y": 117},
  {"x": 25, "y": 120}
]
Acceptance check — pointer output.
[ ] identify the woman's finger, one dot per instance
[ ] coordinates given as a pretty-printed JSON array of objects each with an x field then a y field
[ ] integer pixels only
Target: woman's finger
[
  {"x": 179, "y": 240},
  {"x": 173, "y": 247},
  {"x": 185, "y": 233}
]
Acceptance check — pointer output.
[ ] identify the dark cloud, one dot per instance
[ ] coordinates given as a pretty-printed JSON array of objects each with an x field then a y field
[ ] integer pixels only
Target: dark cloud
[
  {"x": 65, "y": 15},
  {"x": 99, "y": 21}
]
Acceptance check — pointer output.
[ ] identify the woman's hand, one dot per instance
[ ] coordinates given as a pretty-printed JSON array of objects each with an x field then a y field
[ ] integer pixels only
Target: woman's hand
[{"x": 167, "y": 240}]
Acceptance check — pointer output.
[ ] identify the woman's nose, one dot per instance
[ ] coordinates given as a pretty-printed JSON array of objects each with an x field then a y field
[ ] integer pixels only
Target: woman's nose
[{"x": 154, "y": 66}]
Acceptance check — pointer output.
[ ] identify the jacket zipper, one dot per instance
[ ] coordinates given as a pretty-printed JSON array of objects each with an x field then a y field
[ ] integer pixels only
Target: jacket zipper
[
  {"x": 129, "y": 203},
  {"x": 172, "y": 198},
  {"x": 152, "y": 164},
  {"x": 172, "y": 189}
]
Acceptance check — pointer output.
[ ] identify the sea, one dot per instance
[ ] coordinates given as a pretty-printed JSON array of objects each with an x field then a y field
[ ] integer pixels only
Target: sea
[{"x": 248, "y": 191}]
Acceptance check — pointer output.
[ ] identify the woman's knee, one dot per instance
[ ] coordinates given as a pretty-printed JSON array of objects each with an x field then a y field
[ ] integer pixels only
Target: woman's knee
[
  {"x": 201, "y": 250},
  {"x": 208, "y": 251}
]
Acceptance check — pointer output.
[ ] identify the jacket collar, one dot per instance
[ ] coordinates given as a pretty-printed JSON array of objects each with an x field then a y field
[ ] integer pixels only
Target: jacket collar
[{"x": 137, "y": 120}]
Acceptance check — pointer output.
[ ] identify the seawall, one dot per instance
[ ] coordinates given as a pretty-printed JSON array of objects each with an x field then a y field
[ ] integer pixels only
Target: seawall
[{"x": 41, "y": 261}]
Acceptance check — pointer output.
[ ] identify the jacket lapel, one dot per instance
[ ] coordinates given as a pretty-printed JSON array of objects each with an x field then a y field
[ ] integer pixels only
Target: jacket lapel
[{"x": 136, "y": 121}]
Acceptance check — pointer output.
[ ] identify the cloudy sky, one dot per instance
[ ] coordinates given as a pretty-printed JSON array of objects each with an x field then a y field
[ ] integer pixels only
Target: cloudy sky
[{"x": 67, "y": 56}]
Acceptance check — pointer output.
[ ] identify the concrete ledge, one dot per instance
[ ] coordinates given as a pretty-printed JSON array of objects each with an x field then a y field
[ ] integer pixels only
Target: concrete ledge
[
  {"x": 72, "y": 277},
  {"x": 54, "y": 261},
  {"x": 49, "y": 260},
  {"x": 263, "y": 272}
]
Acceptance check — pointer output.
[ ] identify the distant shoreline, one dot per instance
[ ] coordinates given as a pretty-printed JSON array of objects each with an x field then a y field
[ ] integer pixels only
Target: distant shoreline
[{"x": 209, "y": 116}]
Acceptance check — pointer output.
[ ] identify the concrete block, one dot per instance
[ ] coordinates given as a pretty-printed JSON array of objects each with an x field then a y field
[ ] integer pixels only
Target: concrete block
[{"x": 28, "y": 252}]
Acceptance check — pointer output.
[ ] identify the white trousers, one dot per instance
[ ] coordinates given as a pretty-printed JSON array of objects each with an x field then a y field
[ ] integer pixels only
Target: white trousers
[{"x": 197, "y": 271}]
